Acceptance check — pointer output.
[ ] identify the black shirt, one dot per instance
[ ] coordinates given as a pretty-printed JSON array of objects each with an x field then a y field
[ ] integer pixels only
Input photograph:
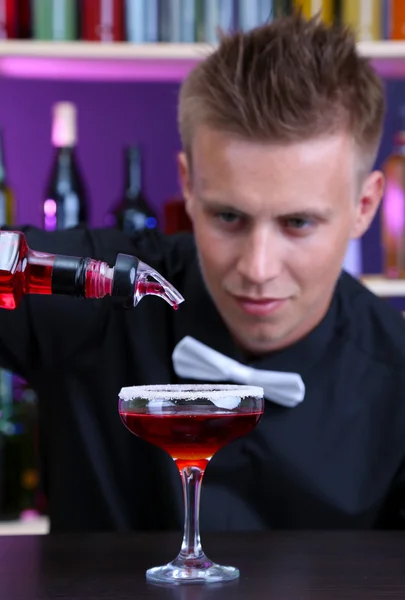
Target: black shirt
[{"x": 334, "y": 461}]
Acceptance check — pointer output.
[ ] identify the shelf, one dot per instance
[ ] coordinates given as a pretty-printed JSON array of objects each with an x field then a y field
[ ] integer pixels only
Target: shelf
[
  {"x": 123, "y": 61},
  {"x": 91, "y": 61},
  {"x": 386, "y": 288}
]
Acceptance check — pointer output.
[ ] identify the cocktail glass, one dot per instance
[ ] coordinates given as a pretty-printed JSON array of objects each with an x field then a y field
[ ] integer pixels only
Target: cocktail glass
[{"x": 191, "y": 423}]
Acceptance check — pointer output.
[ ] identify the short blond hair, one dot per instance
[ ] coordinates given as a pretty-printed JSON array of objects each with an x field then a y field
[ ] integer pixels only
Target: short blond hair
[{"x": 288, "y": 80}]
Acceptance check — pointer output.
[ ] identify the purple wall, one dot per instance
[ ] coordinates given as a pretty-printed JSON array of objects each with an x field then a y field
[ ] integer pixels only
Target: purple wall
[{"x": 110, "y": 116}]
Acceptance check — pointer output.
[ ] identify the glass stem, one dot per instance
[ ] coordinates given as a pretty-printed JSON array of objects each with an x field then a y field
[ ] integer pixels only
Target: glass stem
[{"x": 191, "y": 547}]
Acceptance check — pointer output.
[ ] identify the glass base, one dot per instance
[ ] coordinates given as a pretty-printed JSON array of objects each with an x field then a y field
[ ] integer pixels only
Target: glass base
[{"x": 191, "y": 570}]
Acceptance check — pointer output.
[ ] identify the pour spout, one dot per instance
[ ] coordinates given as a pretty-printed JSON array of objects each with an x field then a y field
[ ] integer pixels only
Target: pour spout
[
  {"x": 149, "y": 282},
  {"x": 133, "y": 279}
]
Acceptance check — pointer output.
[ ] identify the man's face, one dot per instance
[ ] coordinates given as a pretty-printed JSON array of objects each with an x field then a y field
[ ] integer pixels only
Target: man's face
[{"x": 272, "y": 224}]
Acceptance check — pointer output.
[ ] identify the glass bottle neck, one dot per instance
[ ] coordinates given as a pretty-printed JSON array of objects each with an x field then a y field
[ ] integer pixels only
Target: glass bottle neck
[
  {"x": 65, "y": 154},
  {"x": 133, "y": 173}
]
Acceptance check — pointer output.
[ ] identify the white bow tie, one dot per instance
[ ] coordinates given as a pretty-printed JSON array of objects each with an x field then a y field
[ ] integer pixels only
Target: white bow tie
[{"x": 194, "y": 359}]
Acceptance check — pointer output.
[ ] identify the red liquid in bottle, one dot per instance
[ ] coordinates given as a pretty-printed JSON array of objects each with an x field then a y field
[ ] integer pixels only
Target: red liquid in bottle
[
  {"x": 190, "y": 439},
  {"x": 17, "y": 276}
]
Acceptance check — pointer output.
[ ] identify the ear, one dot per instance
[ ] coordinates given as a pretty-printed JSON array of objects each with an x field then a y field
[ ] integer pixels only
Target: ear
[
  {"x": 185, "y": 180},
  {"x": 370, "y": 197}
]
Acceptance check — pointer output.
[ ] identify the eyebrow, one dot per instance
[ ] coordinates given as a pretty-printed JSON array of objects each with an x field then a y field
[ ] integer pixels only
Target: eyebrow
[
  {"x": 220, "y": 206},
  {"x": 314, "y": 213}
]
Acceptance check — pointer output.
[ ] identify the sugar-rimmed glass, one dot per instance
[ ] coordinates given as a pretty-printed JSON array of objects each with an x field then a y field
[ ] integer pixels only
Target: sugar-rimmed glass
[{"x": 191, "y": 423}]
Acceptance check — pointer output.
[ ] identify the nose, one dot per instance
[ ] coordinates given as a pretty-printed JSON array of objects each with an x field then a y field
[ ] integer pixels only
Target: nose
[{"x": 260, "y": 257}]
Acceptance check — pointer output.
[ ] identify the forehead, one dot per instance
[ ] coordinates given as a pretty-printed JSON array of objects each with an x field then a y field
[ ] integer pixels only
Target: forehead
[{"x": 224, "y": 162}]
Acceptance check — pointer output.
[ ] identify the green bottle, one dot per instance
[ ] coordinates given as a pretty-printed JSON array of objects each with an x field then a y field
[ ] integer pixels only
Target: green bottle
[
  {"x": 199, "y": 21},
  {"x": 55, "y": 20}
]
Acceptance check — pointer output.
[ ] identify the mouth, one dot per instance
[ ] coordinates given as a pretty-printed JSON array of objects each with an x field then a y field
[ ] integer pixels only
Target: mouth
[{"x": 259, "y": 306}]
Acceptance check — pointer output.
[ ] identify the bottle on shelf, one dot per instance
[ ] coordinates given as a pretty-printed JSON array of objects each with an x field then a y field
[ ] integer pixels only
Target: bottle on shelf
[
  {"x": 364, "y": 16},
  {"x": 65, "y": 203},
  {"x": 279, "y": 8},
  {"x": 249, "y": 14},
  {"x": 24, "y": 8},
  {"x": 394, "y": 13},
  {"x": 9, "y": 21},
  {"x": 258, "y": 12},
  {"x": 192, "y": 21},
  {"x": 133, "y": 212},
  {"x": 310, "y": 8},
  {"x": 176, "y": 218},
  {"x": 386, "y": 25},
  {"x": 177, "y": 21},
  {"x": 141, "y": 19},
  {"x": 26, "y": 271},
  {"x": 55, "y": 20},
  {"x": 15, "y": 19},
  {"x": 219, "y": 15},
  {"x": 102, "y": 20},
  {"x": 393, "y": 210}
]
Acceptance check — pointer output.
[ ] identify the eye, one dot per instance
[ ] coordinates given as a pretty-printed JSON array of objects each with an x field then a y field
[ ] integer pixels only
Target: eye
[
  {"x": 298, "y": 223},
  {"x": 227, "y": 217},
  {"x": 230, "y": 218}
]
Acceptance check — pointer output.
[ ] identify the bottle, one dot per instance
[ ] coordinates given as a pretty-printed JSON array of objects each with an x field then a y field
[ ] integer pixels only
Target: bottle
[
  {"x": 54, "y": 20},
  {"x": 188, "y": 21},
  {"x": 24, "y": 8},
  {"x": 386, "y": 23},
  {"x": 248, "y": 14},
  {"x": 133, "y": 214},
  {"x": 364, "y": 16},
  {"x": 394, "y": 19},
  {"x": 65, "y": 202},
  {"x": 393, "y": 210},
  {"x": 14, "y": 19},
  {"x": 8, "y": 19},
  {"x": 170, "y": 21},
  {"x": 218, "y": 15},
  {"x": 103, "y": 20},
  {"x": 141, "y": 19},
  {"x": 176, "y": 218},
  {"x": 25, "y": 271},
  {"x": 325, "y": 8},
  {"x": 281, "y": 8}
]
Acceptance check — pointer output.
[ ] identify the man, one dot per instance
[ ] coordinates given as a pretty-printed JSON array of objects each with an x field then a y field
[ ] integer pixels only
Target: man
[{"x": 280, "y": 130}]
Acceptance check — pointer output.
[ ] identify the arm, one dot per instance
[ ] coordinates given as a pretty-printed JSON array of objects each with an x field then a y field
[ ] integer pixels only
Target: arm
[{"x": 47, "y": 330}]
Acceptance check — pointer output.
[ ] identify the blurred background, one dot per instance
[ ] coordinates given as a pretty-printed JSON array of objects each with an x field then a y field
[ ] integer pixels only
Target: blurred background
[{"x": 88, "y": 133}]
